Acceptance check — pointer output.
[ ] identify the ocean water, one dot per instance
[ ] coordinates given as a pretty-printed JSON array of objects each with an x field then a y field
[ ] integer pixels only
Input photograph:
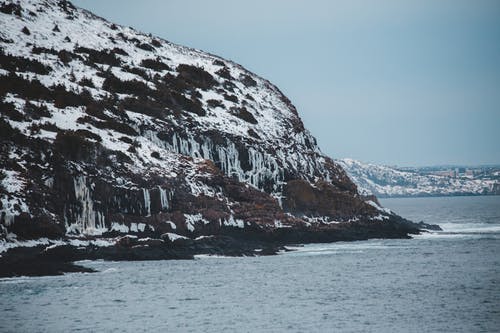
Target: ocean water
[{"x": 438, "y": 282}]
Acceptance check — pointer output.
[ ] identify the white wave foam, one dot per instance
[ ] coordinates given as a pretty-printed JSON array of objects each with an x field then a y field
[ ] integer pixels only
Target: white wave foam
[
  {"x": 340, "y": 247},
  {"x": 211, "y": 256},
  {"x": 464, "y": 230},
  {"x": 470, "y": 228}
]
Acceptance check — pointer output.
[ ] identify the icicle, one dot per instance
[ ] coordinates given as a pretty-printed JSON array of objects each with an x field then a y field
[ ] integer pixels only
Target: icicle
[
  {"x": 8, "y": 218},
  {"x": 89, "y": 220},
  {"x": 164, "y": 198},
  {"x": 264, "y": 167},
  {"x": 147, "y": 201}
]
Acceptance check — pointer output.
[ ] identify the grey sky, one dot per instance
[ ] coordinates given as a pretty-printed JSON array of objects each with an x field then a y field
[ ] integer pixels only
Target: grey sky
[{"x": 391, "y": 82}]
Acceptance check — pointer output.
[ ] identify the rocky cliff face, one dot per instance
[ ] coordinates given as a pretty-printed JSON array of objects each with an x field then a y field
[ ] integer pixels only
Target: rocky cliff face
[{"x": 107, "y": 131}]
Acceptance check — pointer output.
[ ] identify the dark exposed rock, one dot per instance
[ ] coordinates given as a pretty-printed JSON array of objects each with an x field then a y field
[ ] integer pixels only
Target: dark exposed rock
[
  {"x": 248, "y": 81},
  {"x": 21, "y": 64},
  {"x": 224, "y": 73},
  {"x": 196, "y": 76},
  {"x": 34, "y": 228},
  {"x": 133, "y": 87},
  {"x": 26, "y": 261},
  {"x": 322, "y": 199},
  {"x": 11, "y": 8},
  {"x": 427, "y": 226},
  {"x": 243, "y": 114},
  {"x": 107, "y": 57},
  {"x": 155, "y": 64},
  {"x": 231, "y": 98},
  {"x": 55, "y": 260},
  {"x": 213, "y": 103},
  {"x": 145, "y": 46},
  {"x": 74, "y": 146}
]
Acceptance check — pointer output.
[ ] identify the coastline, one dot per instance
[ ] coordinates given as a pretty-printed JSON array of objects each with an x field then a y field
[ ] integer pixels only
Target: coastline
[{"x": 59, "y": 256}]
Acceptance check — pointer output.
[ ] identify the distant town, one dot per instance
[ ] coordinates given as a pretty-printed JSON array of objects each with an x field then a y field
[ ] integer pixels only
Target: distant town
[
  {"x": 477, "y": 172},
  {"x": 449, "y": 180}
]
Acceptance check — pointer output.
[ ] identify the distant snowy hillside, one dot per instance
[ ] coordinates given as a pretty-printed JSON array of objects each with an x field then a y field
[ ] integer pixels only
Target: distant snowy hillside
[{"x": 384, "y": 181}]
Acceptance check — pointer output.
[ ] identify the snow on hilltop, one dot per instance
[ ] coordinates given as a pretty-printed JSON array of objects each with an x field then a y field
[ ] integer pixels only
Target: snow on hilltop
[
  {"x": 78, "y": 52},
  {"x": 107, "y": 130},
  {"x": 384, "y": 181}
]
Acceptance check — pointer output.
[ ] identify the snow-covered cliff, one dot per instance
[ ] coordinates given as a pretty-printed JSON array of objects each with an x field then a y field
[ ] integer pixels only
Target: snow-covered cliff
[{"x": 108, "y": 131}]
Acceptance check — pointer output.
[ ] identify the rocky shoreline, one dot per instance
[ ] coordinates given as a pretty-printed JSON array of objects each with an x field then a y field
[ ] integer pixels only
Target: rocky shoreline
[
  {"x": 124, "y": 146},
  {"x": 59, "y": 258}
]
